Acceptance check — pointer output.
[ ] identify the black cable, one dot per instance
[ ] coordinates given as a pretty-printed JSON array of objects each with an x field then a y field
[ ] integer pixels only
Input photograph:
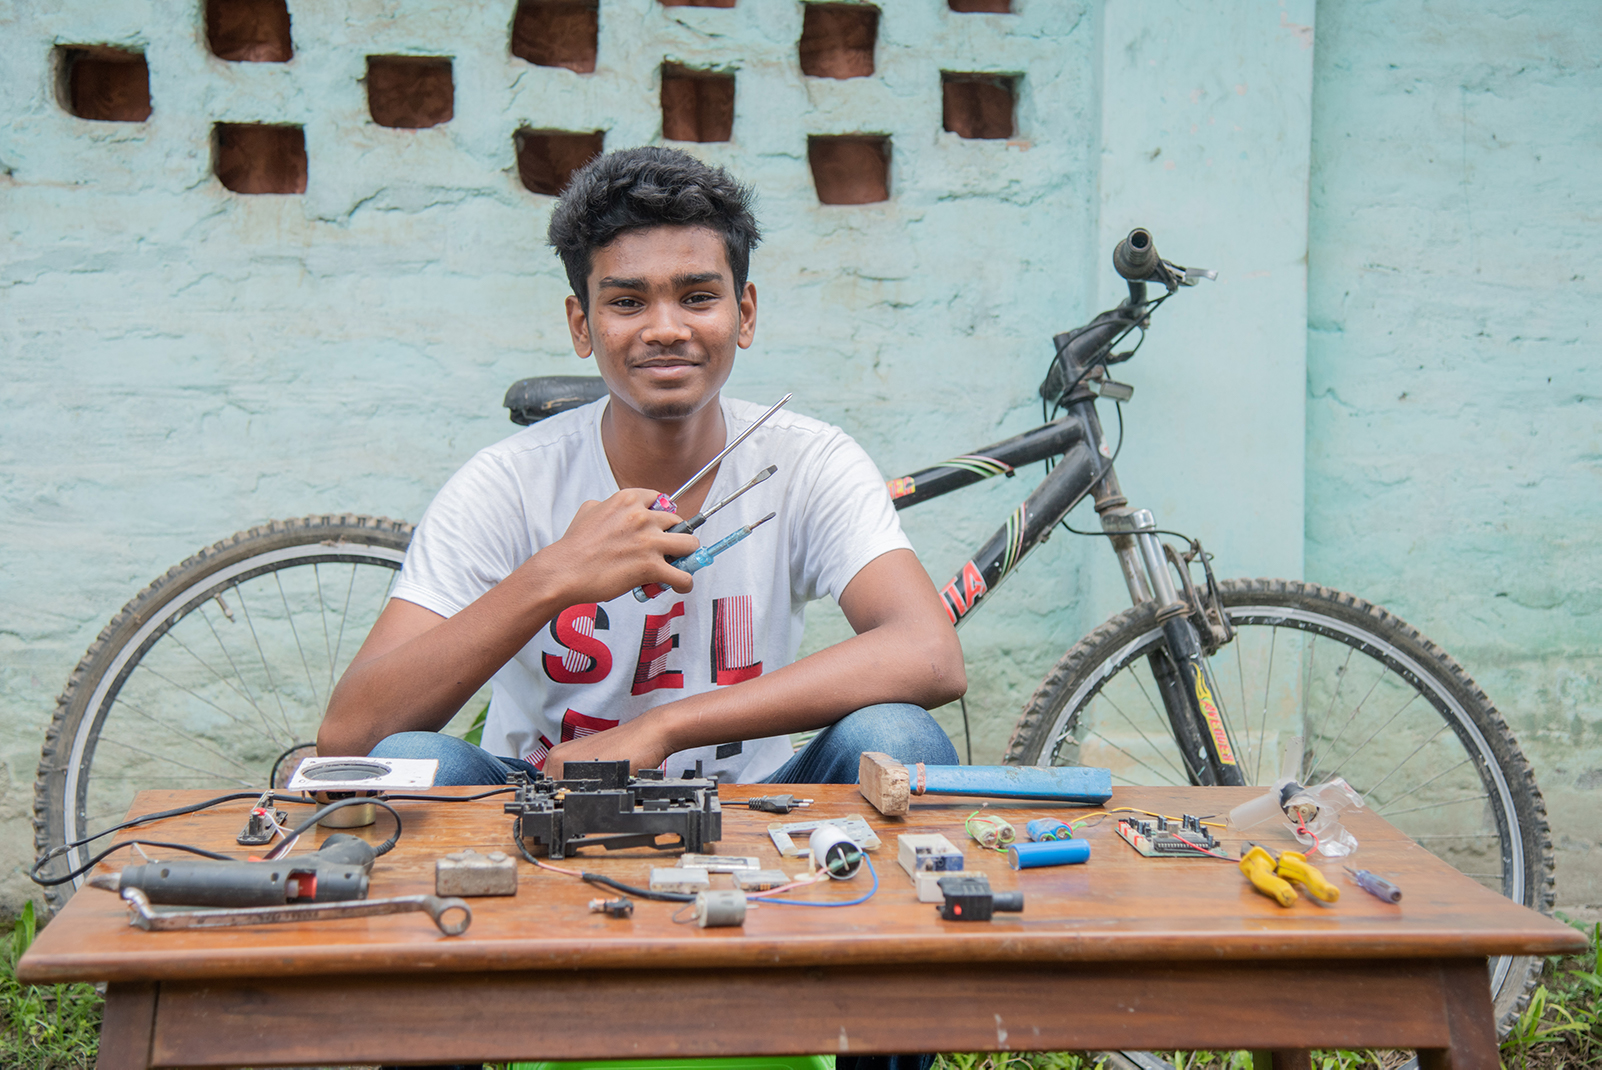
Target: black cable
[
  {"x": 272, "y": 777},
  {"x": 967, "y": 739},
  {"x": 449, "y": 798},
  {"x": 382, "y": 849},
  {"x": 45, "y": 882},
  {"x": 629, "y": 889}
]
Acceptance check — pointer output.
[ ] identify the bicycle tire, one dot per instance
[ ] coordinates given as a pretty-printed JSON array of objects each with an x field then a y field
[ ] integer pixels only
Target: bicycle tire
[
  {"x": 1090, "y": 710},
  {"x": 167, "y": 693}
]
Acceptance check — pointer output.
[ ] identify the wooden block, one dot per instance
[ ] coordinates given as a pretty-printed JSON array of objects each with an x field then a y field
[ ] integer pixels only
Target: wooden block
[{"x": 884, "y": 782}]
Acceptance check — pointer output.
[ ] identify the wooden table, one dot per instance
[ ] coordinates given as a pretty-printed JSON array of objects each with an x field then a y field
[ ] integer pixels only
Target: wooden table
[{"x": 1122, "y": 952}]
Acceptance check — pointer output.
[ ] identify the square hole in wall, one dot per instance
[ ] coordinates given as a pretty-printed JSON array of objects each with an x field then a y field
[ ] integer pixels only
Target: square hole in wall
[
  {"x": 249, "y": 31},
  {"x": 557, "y": 33},
  {"x": 410, "y": 92},
  {"x": 979, "y": 105},
  {"x": 696, "y": 105},
  {"x": 104, "y": 83},
  {"x": 837, "y": 40},
  {"x": 260, "y": 157},
  {"x": 850, "y": 169},
  {"x": 546, "y": 159},
  {"x": 982, "y": 7},
  {"x": 697, "y": 3}
]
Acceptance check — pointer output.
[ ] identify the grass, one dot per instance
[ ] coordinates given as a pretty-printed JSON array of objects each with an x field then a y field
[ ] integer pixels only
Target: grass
[
  {"x": 57, "y": 1027},
  {"x": 44, "y": 1027}
]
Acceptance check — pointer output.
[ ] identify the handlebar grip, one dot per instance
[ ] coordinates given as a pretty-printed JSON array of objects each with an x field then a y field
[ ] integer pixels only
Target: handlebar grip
[{"x": 1136, "y": 258}]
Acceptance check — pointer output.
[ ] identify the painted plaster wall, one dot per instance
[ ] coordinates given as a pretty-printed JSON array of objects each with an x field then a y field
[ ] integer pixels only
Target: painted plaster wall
[
  {"x": 1454, "y": 407},
  {"x": 181, "y": 362}
]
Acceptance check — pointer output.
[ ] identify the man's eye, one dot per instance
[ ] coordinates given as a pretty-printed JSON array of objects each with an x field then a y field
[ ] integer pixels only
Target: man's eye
[{"x": 700, "y": 298}]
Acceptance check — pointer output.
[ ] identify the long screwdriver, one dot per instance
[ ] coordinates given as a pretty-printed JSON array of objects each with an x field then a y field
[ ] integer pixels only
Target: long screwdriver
[
  {"x": 1377, "y": 886},
  {"x": 667, "y": 504},
  {"x": 703, "y": 557},
  {"x": 651, "y": 590}
]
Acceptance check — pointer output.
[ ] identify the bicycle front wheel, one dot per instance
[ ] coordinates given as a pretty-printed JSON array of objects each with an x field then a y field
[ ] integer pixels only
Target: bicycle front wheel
[
  {"x": 212, "y": 671},
  {"x": 1373, "y": 701}
]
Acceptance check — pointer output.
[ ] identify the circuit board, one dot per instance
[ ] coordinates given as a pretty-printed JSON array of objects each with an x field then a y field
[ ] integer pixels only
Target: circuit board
[{"x": 1159, "y": 838}]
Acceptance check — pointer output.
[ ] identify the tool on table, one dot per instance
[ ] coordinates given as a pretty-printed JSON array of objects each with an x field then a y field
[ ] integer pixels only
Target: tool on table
[
  {"x": 703, "y": 557},
  {"x": 263, "y": 823},
  {"x": 335, "y": 872},
  {"x": 666, "y": 504},
  {"x": 651, "y": 590},
  {"x": 1159, "y": 839},
  {"x": 927, "y": 856},
  {"x": 1042, "y": 829},
  {"x": 1258, "y": 865},
  {"x": 468, "y": 873},
  {"x": 717, "y": 909},
  {"x": 835, "y": 852},
  {"x": 989, "y": 831},
  {"x": 719, "y": 863},
  {"x": 621, "y": 907},
  {"x": 854, "y": 826},
  {"x": 143, "y": 917},
  {"x": 968, "y": 898},
  {"x": 1374, "y": 885},
  {"x": 600, "y": 804},
  {"x": 1048, "y": 853},
  {"x": 889, "y": 785},
  {"x": 1271, "y": 876},
  {"x": 777, "y": 804}
]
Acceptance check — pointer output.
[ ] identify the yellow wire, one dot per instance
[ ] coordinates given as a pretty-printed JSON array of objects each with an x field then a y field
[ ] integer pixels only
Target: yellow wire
[{"x": 1132, "y": 810}]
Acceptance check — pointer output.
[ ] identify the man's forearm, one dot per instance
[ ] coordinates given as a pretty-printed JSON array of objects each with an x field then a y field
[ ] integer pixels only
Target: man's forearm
[{"x": 420, "y": 684}]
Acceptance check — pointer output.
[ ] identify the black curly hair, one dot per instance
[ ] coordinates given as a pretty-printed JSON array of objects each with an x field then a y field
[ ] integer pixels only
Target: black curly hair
[{"x": 649, "y": 187}]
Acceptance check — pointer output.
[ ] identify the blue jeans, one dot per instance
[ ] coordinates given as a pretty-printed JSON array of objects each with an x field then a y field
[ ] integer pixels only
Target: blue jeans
[{"x": 907, "y": 733}]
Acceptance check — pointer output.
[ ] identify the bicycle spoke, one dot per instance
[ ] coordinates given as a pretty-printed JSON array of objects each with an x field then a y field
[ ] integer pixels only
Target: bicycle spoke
[
  {"x": 1132, "y": 758},
  {"x": 322, "y": 615},
  {"x": 296, "y": 633},
  {"x": 1375, "y": 788},
  {"x": 194, "y": 695},
  {"x": 1378, "y": 730},
  {"x": 1340, "y": 682},
  {"x": 339, "y": 641},
  {"x": 1349, "y": 721},
  {"x": 202, "y": 744},
  {"x": 250, "y": 622},
  {"x": 238, "y": 675},
  {"x": 221, "y": 679},
  {"x": 1160, "y": 751},
  {"x": 1262, "y": 724},
  {"x": 1387, "y": 814},
  {"x": 185, "y": 765}
]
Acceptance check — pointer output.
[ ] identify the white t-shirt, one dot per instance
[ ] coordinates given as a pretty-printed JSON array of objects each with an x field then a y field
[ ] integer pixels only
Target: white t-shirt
[{"x": 597, "y": 666}]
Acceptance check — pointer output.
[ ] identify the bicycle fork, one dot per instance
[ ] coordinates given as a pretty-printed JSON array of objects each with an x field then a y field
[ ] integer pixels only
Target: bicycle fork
[{"x": 1178, "y": 666}]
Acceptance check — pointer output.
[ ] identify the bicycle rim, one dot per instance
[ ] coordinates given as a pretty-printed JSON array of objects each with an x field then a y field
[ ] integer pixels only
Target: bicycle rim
[
  {"x": 1371, "y": 700},
  {"x": 216, "y": 669}
]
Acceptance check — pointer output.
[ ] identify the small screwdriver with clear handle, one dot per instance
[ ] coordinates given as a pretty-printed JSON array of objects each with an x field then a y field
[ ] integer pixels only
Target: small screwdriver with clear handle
[
  {"x": 1378, "y": 887},
  {"x": 703, "y": 557}
]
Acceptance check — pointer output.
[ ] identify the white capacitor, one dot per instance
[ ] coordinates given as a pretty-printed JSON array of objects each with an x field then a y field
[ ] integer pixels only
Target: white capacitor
[
  {"x": 720, "y": 908},
  {"x": 834, "y": 852}
]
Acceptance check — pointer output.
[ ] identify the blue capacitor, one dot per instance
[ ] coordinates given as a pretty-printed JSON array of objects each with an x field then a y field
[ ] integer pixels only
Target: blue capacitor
[
  {"x": 1042, "y": 829},
  {"x": 1049, "y": 853}
]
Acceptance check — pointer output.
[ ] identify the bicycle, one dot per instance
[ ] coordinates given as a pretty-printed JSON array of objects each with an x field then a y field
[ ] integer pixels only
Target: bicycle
[{"x": 206, "y": 677}]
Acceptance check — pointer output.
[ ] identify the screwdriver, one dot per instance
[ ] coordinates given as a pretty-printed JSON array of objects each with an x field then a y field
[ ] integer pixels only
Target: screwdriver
[
  {"x": 1378, "y": 887},
  {"x": 651, "y": 590},
  {"x": 703, "y": 557},
  {"x": 666, "y": 504}
]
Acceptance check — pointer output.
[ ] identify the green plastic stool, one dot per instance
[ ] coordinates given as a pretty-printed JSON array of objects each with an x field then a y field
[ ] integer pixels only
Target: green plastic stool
[{"x": 755, "y": 1062}]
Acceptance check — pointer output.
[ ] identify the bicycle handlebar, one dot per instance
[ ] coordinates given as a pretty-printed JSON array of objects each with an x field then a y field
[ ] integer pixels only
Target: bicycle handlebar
[{"x": 1136, "y": 259}]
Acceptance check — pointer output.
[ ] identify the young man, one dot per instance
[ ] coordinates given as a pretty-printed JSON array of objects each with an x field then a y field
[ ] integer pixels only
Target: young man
[{"x": 522, "y": 568}]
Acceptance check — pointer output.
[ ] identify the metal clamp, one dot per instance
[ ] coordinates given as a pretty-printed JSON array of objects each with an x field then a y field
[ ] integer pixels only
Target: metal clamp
[{"x": 142, "y": 916}]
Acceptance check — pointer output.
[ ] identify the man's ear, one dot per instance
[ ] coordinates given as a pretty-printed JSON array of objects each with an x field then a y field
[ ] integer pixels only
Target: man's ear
[
  {"x": 578, "y": 325},
  {"x": 748, "y": 307}
]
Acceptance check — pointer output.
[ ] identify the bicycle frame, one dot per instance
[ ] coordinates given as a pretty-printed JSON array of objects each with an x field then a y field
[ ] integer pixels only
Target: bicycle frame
[{"x": 1085, "y": 467}]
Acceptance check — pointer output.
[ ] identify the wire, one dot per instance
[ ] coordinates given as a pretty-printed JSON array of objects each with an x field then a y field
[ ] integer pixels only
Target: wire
[
  {"x": 967, "y": 739},
  {"x": 382, "y": 849},
  {"x": 1301, "y": 827},
  {"x": 993, "y": 833},
  {"x": 272, "y": 777},
  {"x": 1135, "y": 810},
  {"x": 448, "y": 798},
  {"x": 845, "y": 903},
  {"x": 51, "y": 882}
]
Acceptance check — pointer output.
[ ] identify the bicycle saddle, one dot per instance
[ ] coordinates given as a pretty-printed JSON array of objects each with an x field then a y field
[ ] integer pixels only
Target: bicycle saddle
[{"x": 532, "y": 400}]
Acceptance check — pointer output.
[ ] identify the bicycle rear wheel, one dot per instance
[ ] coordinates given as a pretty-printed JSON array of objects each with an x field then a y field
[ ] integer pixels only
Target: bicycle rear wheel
[
  {"x": 212, "y": 671},
  {"x": 1374, "y": 702}
]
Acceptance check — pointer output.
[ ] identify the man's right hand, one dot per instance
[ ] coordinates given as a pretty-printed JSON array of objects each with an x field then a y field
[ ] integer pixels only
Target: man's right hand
[{"x": 614, "y": 546}]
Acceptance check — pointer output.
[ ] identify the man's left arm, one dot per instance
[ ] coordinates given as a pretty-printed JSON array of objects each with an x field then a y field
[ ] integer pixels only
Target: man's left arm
[{"x": 905, "y": 650}]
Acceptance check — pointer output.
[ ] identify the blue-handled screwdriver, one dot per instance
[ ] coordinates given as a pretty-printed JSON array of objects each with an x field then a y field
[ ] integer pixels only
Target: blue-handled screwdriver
[
  {"x": 703, "y": 557},
  {"x": 1378, "y": 887}
]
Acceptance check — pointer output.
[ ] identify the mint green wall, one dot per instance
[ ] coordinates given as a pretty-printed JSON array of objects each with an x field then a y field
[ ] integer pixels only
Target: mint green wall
[
  {"x": 180, "y": 362},
  {"x": 1454, "y": 390}
]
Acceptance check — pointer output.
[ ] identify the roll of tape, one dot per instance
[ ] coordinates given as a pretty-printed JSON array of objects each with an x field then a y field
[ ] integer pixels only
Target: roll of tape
[{"x": 1049, "y": 853}]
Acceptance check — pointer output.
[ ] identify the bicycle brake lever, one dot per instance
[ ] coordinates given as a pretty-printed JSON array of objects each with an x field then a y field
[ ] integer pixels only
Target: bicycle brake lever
[{"x": 1185, "y": 276}]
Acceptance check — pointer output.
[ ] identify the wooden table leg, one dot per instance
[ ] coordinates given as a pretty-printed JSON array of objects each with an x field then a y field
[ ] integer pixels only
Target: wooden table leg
[
  {"x": 1284, "y": 1059},
  {"x": 127, "y": 1027},
  {"x": 1470, "y": 1020}
]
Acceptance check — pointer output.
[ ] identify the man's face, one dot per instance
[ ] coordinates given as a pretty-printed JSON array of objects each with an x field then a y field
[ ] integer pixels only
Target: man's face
[{"x": 664, "y": 319}]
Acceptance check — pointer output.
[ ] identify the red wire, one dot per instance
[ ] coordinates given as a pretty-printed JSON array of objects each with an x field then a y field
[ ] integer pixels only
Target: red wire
[{"x": 1303, "y": 828}]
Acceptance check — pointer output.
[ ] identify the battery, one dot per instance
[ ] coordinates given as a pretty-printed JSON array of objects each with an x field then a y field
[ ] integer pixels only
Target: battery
[
  {"x": 1049, "y": 853},
  {"x": 1045, "y": 829}
]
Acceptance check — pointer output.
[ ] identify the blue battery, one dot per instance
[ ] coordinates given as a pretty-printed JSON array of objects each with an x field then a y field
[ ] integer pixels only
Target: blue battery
[
  {"x": 1042, "y": 829},
  {"x": 1049, "y": 853}
]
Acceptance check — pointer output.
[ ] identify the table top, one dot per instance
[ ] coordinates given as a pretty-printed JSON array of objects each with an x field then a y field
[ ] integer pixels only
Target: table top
[{"x": 1119, "y": 906}]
